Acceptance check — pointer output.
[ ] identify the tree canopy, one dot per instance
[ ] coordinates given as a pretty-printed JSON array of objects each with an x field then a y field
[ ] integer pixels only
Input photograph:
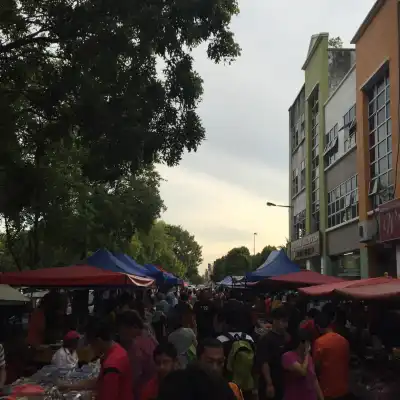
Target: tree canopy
[
  {"x": 170, "y": 247},
  {"x": 92, "y": 94},
  {"x": 238, "y": 261}
]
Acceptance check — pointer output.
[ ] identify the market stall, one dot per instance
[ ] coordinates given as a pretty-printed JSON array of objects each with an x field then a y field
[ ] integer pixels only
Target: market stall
[
  {"x": 328, "y": 289},
  {"x": 305, "y": 278},
  {"x": 72, "y": 276}
]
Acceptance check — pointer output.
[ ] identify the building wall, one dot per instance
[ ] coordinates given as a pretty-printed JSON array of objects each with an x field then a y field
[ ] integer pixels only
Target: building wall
[
  {"x": 343, "y": 239},
  {"x": 316, "y": 73},
  {"x": 376, "y": 45},
  {"x": 379, "y": 43},
  {"x": 336, "y": 107},
  {"x": 297, "y": 151}
]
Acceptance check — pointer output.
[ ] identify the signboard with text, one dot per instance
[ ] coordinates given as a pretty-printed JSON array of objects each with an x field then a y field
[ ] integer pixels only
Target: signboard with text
[
  {"x": 389, "y": 221},
  {"x": 306, "y": 247}
]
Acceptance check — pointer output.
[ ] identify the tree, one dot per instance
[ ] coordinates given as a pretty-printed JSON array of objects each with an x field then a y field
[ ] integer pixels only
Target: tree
[
  {"x": 85, "y": 113},
  {"x": 238, "y": 261},
  {"x": 186, "y": 249},
  {"x": 86, "y": 71},
  {"x": 157, "y": 247},
  {"x": 335, "y": 42},
  {"x": 218, "y": 271}
]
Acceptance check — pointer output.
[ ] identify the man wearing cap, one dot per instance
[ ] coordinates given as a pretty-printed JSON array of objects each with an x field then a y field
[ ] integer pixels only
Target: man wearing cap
[{"x": 66, "y": 356}]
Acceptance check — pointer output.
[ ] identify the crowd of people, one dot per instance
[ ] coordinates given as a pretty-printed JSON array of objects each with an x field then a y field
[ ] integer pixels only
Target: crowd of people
[{"x": 192, "y": 345}]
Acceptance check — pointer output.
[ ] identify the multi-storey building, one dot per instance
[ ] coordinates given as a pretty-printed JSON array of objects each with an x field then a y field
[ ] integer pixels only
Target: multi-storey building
[
  {"x": 324, "y": 69},
  {"x": 345, "y": 220},
  {"x": 340, "y": 174},
  {"x": 377, "y": 82}
]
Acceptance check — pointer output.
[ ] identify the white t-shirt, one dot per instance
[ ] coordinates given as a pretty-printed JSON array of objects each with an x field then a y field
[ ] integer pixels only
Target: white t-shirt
[
  {"x": 63, "y": 358},
  {"x": 223, "y": 338}
]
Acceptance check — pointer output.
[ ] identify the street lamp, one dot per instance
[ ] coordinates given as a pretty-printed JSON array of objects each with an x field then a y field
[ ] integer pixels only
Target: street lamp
[
  {"x": 254, "y": 243},
  {"x": 269, "y": 204}
]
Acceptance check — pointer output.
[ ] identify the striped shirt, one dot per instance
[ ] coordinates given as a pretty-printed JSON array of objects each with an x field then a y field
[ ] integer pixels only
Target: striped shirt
[{"x": 2, "y": 358}]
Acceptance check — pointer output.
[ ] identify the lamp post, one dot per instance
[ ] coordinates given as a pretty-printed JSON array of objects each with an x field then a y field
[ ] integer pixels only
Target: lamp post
[
  {"x": 254, "y": 243},
  {"x": 269, "y": 204}
]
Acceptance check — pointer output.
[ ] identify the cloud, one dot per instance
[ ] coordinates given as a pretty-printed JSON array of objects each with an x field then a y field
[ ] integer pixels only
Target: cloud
[
  {"x": 220, "y": 215},
  {"x": 219, "y": 193}
]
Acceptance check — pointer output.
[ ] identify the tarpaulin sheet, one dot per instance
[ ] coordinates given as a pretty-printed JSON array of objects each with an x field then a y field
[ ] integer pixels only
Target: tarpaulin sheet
[
  {"x": 388, "y": 290},
  {"x": 325, "y": 290}
]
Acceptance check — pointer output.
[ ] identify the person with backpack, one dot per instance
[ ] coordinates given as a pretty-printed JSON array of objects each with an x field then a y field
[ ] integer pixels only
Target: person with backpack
[
  {"x": 182, "y": 337},
  {"x": 210, "y": 353},
  {"x": 239, "y": 351}
]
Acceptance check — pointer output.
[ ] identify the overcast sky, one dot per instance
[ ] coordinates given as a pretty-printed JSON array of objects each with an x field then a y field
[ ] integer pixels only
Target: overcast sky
[{"x": 219, "y": 193}]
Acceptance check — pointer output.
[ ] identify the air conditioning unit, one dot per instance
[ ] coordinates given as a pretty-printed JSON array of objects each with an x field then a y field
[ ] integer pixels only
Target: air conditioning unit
[{"x": 367, "y": 230}]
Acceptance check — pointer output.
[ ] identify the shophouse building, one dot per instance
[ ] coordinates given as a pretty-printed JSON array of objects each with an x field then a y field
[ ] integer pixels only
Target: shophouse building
[
  {"x": 377, "y": 84},
  {"x": 340, "y": 173},
  {"x": 324, "y": 69}
]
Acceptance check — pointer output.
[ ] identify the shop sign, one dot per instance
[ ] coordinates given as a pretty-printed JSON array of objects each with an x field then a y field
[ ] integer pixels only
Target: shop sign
[
  {"x": 306, "y": 247},
  {"x": 389, "y": 221}
]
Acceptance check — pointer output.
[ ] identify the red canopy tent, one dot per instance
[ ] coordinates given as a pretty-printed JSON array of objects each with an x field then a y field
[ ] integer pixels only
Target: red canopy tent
[
  {"x": 379, "y": 291},
  {"x": 305, "y": 278},
  {"x": 73, "y": 276},
  {"x": 325, "y": 290}
]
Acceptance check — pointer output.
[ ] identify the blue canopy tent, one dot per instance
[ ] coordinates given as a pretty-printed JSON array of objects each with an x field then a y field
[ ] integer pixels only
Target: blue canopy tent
[
  {"x": 162, "y": 277},
  {"x": 105, "y": 260},
  {"x": 277, "y": 265},
  {"x": 133, "y": 265},
  {"x": 270, "y": 258}
]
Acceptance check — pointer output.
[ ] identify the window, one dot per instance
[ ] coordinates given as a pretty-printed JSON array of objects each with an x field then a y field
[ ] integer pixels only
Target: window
[
  {"x": 295, "y": 137},
  {"x": 331, "y": 146},
  {"x": 303, "y": 175},
  {"x": 343, "y": 202},
  {"x": 350, "y": 127},
  {"x": 299, "y": 225},
  {"x": 314, "y": 117},
  {"x": 295, "y": 181},
  {"x": 380, "y": 143}
]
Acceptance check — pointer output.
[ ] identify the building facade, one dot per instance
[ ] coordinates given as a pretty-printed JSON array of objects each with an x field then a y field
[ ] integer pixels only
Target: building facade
[
  {"x": 340, "y": 172},
  {"x": 324, "y": 70},
  {"x": 377, "y": 82}
]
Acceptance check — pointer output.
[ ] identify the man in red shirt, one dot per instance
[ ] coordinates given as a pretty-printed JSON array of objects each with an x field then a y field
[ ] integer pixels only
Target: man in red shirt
[
  {"x": 166, "y": 359},
  {"x": 115, "y": 379}
]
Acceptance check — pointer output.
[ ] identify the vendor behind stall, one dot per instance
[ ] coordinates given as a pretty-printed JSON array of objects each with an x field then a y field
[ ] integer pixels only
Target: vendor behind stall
[
  {"x": 47, "y": 321},
  {"x": 66, "y": 356}
]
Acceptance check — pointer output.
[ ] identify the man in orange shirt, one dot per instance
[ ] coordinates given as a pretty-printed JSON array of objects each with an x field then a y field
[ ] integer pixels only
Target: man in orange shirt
[{"x": 332, "y": 358}]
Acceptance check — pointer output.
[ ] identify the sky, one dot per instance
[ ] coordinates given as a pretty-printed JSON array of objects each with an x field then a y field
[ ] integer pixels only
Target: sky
[{"x": 219, "y": 193}]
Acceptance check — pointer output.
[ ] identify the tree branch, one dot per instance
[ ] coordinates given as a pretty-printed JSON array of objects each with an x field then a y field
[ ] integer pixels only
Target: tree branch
[{"x": 30, "y": 39}]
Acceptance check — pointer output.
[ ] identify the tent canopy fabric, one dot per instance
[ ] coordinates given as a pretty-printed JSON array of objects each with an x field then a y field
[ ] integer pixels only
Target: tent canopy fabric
[
  {"x": 231, "y": 280},
  {"x": 10, "y": 295},
  {"x": 327, "y": 289},
  {"x": 279, "y": 265},
  {"x": 162, "y": 277},
  {"x": 306, "y": 278},
  {"x": 377, "y": 291},
  {"x": 136, "y": 268},
  {"x": 73, "y": 276},
  {"x": 269, "y": 259},
  {"x": 104, "y": 259}
]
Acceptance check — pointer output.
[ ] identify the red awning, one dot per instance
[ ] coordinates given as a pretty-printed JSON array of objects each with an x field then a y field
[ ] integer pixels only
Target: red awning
[
  {"x": 73, "y": 276},
  {"x": 378, "y": 291},
  {"x": 306, "y": 278},
  {"x": 325, "y": 290}
]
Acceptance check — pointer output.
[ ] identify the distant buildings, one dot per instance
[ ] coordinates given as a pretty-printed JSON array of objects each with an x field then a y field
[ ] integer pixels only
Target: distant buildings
[{"x": 343, "y": 152}]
